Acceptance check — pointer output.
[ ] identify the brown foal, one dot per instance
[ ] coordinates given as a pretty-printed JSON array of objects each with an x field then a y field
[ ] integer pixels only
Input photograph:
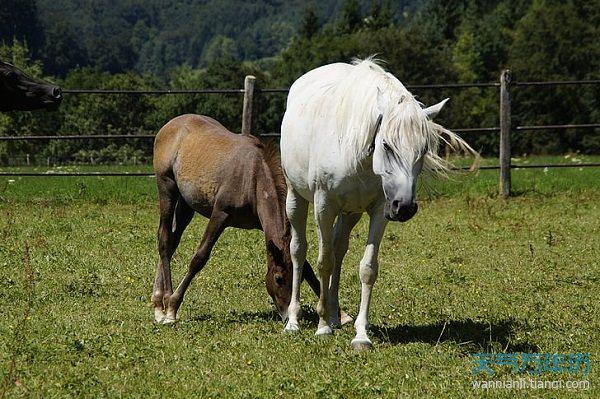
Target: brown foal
[{"x": 235, "y": 181}]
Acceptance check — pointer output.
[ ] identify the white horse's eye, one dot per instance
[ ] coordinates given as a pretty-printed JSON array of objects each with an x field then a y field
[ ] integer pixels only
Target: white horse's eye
[{"x": 386, "y": 146}]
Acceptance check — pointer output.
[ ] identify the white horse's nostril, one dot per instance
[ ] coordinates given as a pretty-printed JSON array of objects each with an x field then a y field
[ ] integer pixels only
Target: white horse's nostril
[{"x": 406, "y": 213}]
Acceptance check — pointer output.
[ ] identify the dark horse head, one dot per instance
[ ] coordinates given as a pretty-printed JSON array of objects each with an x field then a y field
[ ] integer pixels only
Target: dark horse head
[
  {"x": 19, "y": 92},
  {"x": 279, "y": 276}
]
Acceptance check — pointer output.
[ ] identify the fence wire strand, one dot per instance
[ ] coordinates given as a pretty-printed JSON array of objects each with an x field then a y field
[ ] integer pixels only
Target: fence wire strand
[{"x": 285, "y": 90}]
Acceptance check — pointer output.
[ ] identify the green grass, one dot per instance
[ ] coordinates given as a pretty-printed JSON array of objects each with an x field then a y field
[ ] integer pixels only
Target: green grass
[{"x": 469, "y": 273}]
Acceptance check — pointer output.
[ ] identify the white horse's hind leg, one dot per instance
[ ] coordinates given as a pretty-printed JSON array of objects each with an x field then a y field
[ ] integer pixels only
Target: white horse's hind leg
[
  {"x": 325, "y": 216},
  {"x": 297, "y": 211},
  {"x": 368, "y": 274},
  {"x": 341, "y": 235}
]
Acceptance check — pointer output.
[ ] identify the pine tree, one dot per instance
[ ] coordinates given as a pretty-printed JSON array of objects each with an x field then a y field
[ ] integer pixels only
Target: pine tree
[
  {"x": 381, "y": 16},
  {"x": 310, "y": 23},
  {"x": 19, "y": 20},
  {"x": 351, "y": 16}
]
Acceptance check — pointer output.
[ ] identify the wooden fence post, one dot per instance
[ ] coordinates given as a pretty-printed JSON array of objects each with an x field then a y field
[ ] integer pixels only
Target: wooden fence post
[
  {"x": 505, "y": 130},
  {"x": 248, "y": 99}
]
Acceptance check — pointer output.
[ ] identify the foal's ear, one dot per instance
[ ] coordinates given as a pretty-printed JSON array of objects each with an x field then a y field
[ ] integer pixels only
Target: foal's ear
[{"x": 275, "y": 251}]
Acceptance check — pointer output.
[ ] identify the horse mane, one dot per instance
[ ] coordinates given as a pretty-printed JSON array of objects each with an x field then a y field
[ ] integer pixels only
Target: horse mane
[
  {"x": 273, "y": 160},
  {"x": 357, "y": 101}
]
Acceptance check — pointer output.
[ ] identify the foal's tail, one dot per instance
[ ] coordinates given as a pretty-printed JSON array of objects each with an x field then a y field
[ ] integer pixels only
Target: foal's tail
[
  {"x": 311, "y": 278},
  {"x": 182, "y": 216}
]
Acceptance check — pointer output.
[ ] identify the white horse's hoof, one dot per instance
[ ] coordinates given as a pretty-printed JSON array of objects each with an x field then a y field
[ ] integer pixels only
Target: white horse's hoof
[
  {"x": 291, "y": 327},
  {"x": 169, "y": 320},
  {"x": 345, "y": 318},
  {"x": 325, "y": 330},
  {"x": 361, "y": 344}
]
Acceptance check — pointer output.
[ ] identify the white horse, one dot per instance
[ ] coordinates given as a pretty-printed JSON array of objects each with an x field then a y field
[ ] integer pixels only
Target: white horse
[{"x": 353, "y": 140}]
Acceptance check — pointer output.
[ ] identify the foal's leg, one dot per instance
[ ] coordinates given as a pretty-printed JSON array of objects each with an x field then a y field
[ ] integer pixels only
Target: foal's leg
[
  {"x": 213, "y": 231},
  {"x": 183, "y": 217},
  {"x": 368, "y": 275},
  {"x": 341, "y": 235},
  {"x": 325, "y": 214},
  {"x": 168, "y": 195},
  {"x": 297, "y": 211}
]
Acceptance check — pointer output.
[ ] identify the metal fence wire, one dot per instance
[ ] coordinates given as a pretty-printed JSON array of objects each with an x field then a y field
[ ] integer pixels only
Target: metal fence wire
[{"x": 505, "y": 85}]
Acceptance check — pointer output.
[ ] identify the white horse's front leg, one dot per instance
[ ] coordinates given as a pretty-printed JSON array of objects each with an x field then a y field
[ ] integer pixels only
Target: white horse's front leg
[
  {"x": 341, "y": 235},
  {"x": 325, "y": 216},
  {"x": 368, "y": 274},
  {"x": 297, "y": 211}
]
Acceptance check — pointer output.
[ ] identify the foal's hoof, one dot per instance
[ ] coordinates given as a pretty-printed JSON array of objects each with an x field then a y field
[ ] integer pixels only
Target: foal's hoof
[
  {"x": 345, "y": 318},
  {"x": 335, "y": 324},
  {"x": 361, "y": 344},
  {"x": 169, "y": 320},
  {"x": 323, "y": 331},
  {"x": 159, "y": 316},
  {"x": 291, "y": 327}
]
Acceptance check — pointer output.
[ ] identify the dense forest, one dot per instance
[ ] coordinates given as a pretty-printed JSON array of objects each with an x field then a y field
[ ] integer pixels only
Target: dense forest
[
  {"x": 138, "y": 44},
  {"x": 154, "y": 36}
]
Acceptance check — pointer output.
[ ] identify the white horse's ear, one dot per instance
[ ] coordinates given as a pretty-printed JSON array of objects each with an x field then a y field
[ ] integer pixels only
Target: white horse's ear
[{"x": 432, "y": 111}]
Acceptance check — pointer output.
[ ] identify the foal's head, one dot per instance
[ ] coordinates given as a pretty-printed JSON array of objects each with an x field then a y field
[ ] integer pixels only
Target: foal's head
[
  {"x": 279, "y": 277},
  {"x": 277, "y": 231}
]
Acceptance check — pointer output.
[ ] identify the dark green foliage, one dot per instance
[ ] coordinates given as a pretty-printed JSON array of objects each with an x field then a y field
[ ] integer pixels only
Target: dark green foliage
[
  {"x": 210, "y": 44},
  {"x": 351, "y": 18},
  {"x": 156, "y": 36},
  {"x": 310, "y": 23},
  {"x": 380, "y": 15},
  {"x": 127, "y": 114},
  {"x": 19, "y": 21},
  {"x": 558, "y": 41}
]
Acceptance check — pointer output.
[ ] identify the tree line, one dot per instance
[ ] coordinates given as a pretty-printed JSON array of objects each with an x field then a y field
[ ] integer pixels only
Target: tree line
[{"x": 460, "y": 41}]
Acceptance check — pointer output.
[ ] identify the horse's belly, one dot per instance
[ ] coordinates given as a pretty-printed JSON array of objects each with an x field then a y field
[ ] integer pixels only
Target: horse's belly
[
  {"x": 295, "y": 156},
  {"x": 200, "y": 196}
]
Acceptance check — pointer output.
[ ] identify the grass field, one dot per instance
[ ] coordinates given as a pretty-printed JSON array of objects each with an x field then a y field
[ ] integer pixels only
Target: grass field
[{"x": 470, "y": 273}]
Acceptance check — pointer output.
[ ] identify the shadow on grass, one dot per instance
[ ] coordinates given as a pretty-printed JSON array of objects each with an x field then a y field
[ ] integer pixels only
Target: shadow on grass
[
  {"x": 309, "y": 315},
  {"x": 471, "y": 336},
  {"x": 264, "y": 316},
  {"x": 468, "y": 334}
]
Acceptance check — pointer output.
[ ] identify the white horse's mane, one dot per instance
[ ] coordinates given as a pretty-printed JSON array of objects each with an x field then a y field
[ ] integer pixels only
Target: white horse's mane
[{"x": 404, "y": 126}]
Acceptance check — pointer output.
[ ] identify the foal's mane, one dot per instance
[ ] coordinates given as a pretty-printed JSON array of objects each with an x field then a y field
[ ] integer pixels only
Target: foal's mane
[{"x": 273, "y": 160}]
